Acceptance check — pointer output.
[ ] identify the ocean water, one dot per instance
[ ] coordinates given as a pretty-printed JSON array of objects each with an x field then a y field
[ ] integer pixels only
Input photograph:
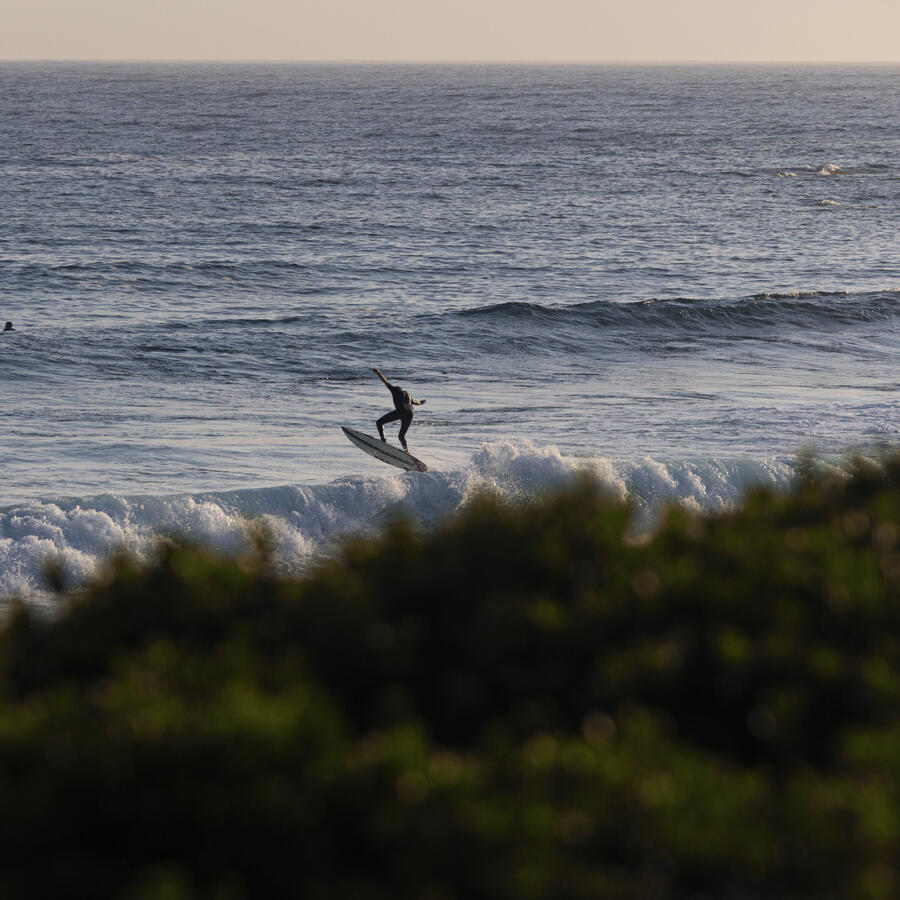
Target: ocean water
[{"x": 675, "y": 277}]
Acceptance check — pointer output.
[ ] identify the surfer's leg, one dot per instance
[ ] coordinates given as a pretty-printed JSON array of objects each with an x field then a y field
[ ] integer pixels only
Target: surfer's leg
[
  {"x": 392, "y": 416},
  {"x": 406, "y": 418}
]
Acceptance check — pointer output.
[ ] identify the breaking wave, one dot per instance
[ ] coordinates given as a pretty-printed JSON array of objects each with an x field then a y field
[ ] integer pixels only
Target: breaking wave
[{"x": 304, "y": 521}]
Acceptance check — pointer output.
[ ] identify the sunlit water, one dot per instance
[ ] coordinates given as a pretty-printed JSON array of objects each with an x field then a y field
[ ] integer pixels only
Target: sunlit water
[{"x": 676, "y": 277}]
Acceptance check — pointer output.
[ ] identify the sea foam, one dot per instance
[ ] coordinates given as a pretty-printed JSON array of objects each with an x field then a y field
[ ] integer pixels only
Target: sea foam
[{"x": 304, "y": 522}]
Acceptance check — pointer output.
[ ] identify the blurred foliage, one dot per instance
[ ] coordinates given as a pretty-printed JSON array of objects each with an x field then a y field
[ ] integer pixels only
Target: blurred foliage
[{"x": 525, "y": 703}]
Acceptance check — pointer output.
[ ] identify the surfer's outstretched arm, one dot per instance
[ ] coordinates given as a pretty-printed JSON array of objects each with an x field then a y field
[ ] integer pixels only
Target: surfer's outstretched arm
[
  {"x": 387, "y": 384},
  {"x": 416, "y": 402}
]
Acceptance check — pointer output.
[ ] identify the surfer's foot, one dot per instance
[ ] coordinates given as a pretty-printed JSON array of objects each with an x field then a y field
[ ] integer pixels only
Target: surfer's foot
[{"x": 405, "y": 448}]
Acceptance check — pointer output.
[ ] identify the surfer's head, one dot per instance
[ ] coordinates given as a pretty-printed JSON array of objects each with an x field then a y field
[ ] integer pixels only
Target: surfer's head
[{"x": 8, "y": 326}]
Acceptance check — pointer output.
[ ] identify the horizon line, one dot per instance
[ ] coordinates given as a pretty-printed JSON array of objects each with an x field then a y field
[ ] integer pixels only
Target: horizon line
[{"x": 451, "y": 62}]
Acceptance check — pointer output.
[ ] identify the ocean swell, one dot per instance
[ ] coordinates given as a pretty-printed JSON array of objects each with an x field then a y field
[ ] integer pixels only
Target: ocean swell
[{"x": 815, "y": 309}]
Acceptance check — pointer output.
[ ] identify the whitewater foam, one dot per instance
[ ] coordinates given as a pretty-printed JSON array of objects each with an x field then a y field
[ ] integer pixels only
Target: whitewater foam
[{"x": 303, "y": 522}]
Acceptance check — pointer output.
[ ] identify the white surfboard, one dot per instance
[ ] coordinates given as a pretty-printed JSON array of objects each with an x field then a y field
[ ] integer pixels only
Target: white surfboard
[{"x": 384, "y": 452}]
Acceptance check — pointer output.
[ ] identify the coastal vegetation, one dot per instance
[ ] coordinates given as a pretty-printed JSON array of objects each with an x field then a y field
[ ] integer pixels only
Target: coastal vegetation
[{"x": 523, "y": 703}]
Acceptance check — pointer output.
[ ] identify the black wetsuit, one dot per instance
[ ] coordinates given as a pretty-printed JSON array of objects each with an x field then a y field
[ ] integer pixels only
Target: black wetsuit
[{"x": 402, "y": 411}]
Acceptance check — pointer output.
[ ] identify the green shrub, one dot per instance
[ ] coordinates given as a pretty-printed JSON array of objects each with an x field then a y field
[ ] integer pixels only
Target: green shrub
[{"x": 523, "y": 703}]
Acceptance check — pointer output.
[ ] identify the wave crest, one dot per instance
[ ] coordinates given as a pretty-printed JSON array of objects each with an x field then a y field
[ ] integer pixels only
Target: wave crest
[
  {"x": 800, "y": 308},
  {"x": 304, "y": 521}
]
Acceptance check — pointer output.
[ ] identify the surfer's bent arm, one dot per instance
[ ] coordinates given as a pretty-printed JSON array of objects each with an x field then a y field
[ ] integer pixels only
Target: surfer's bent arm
[
  {"x": 416, "y": 402},
  {"x": 378, "y": 373}
]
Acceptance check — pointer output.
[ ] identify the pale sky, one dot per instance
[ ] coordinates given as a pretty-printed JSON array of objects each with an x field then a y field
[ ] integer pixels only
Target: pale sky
[{"x": 545, "y": 30}]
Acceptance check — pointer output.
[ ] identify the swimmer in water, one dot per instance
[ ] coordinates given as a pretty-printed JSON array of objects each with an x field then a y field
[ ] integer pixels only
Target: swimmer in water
[
  {"x": 8, "y": 327},
  {"x": 403, "y": 405}
]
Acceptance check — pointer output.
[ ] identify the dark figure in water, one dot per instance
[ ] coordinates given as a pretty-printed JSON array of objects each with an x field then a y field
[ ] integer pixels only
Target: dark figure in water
[
  {"x": 403, "y": 405},
  {"x": 8, "y": 327}
]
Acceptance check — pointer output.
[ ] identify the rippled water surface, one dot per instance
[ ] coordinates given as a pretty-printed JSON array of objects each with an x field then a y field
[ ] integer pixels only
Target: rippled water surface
[{"x": 676, "y": 276}]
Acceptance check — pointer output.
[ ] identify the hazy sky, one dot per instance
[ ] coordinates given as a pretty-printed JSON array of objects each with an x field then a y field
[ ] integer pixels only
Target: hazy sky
[{"x": 803, "y": 30}]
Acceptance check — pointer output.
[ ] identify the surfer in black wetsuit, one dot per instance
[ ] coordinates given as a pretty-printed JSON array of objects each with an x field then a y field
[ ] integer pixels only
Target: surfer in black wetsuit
[{"x": 403, "y": 405}]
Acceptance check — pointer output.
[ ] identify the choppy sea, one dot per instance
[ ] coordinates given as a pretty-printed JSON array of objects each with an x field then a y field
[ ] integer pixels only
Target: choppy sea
[{"x": 676, "y": 277}]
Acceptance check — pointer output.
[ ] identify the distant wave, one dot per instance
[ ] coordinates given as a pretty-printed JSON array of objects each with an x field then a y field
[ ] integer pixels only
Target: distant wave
[
  {"x": 814, "y": 308},
  {"x": 137, "y": 266},
  {"x": 240, "y": 321},
  {"x": 828, "y": 169},
  {"x": 304, "y": 520}
]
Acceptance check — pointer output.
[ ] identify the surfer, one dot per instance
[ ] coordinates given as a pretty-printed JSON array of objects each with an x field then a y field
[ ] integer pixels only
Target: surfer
[
  {"x": 403, "y": 405},
  {"x": 9, "y": 327}
]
